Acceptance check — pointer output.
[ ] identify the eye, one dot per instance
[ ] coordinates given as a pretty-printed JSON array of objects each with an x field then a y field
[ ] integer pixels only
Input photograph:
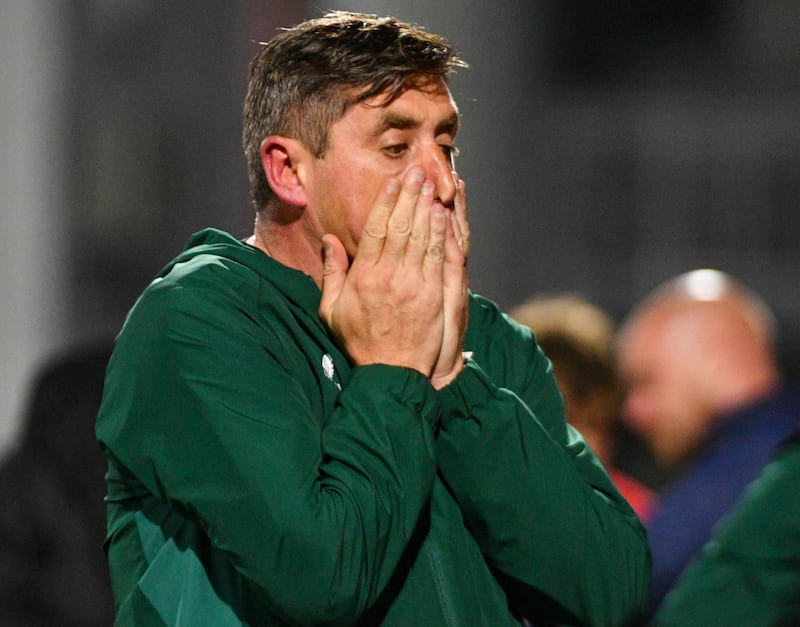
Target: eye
[
  {"x": 450, "y": 153},
  {"x": 395, "y": 150}
]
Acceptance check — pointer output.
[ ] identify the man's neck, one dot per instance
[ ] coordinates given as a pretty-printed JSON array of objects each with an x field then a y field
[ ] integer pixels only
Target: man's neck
[{"x": 291, "y": 244}]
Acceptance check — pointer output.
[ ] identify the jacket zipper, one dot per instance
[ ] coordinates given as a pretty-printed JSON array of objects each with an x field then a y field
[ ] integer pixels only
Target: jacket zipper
[{"x": 440, "y": 576}]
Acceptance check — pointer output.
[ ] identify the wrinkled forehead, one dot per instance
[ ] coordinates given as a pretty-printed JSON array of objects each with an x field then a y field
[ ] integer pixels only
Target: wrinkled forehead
[
  {"x": 428, "y": 102},
  {"x": 384, "y": 96}
]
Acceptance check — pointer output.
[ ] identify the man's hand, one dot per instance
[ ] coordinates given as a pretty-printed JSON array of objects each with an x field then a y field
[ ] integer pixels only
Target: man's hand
[
  {"x": 450, "y": 361},
  {"x": 390, "y": 305}
]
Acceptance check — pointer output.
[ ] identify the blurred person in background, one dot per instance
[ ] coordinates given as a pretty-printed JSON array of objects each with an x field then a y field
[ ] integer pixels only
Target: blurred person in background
[
  {"x": 704, "y": 388},
  {"x": 577, "y": 336},
  {"x": 52, "y": 521},
  {"x": 749, "y": 572}
]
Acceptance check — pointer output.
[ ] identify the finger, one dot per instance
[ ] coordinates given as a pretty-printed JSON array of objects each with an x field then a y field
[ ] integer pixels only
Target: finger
[
  {"x": 435, "y": 250},
  {"x": 455, "y": 311},
  {"x": 455, "y": 260},
  {"x": 457, "y": 230},
  {"x": 373, "y": 236},
  {"x": 334, "y": 273},
  {"x": 400, "y": 221},
  {"x": 419, "y": 237},
  {"x": 461, "y": 224}
]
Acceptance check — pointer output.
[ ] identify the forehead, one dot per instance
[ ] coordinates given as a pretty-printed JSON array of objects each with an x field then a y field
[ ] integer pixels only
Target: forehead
[
  {"x": 640, "y": 341},
  {"x": 434, "y": 88},
  {"x": 662, "y": 342},
  {"x": 420, "y": 102}
]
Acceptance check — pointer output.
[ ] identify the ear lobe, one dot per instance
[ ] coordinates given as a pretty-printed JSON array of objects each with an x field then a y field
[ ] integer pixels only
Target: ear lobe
[{"x": 280, "y": 158}]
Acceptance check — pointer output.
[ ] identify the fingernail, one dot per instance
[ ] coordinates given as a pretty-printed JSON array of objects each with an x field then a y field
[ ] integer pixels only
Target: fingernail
[
  {"x": 417, "y": 174},
  {"x": 427, "y": 188}
]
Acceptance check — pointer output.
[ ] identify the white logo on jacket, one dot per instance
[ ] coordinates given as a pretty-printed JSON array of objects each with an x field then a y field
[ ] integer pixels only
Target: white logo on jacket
[{"x": 328, "y": 369}]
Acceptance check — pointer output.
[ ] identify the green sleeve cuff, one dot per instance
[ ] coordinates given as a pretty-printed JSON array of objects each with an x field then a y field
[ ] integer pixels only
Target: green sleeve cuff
[
  {"x": 472, "y": 387},
  {"x": 404, "y": 386}
]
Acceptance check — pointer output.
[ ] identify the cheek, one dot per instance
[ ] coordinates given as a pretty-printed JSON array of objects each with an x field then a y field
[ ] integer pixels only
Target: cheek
[
  {"x": 354, "y": 186},
  {"x": 353, "y": 211},
  {"x": 345, "y": 216},
  {"x": 358, "y": 199}
]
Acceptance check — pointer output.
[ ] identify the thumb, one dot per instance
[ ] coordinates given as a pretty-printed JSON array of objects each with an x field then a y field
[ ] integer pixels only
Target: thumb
[{"x": 334, "y": 273}]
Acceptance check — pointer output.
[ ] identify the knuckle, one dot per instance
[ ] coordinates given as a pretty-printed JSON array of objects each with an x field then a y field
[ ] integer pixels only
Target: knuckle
[
  {"x": 400, "y": 226},
  {"x": 362, "y": 281},
  {"x": 435, "y": 252},
  {"x": 419, "y": 238},
  {"x": 375, "y": 231}
]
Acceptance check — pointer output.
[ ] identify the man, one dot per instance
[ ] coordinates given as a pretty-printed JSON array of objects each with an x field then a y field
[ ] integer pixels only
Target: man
[
  {"x": 321, "y": 425},
  {"x": 705, "y": 389},
  {"x": 749, "y": 573}
]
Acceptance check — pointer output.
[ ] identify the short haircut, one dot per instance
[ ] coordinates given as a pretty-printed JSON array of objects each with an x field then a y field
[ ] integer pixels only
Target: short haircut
[{"x": 306, "y": 77}]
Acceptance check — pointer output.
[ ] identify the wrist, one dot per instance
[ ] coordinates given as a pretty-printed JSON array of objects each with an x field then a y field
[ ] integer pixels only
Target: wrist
[{"x": 440, "y": 381}]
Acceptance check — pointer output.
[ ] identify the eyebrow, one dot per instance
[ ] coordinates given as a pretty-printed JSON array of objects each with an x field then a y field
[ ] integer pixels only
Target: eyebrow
[{"x": 404, "y": 122}]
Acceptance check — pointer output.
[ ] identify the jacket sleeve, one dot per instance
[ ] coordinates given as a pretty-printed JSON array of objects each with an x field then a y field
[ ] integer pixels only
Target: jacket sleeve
[
  {"x": 749, "y": 572},
  {"x": 542, "y": 508},
  {"x": 314, "y": 512}
]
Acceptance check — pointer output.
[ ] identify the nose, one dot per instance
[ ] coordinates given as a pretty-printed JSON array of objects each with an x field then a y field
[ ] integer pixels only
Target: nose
[
  {"x": 629, "y": 412},
  {"x": 438, "y": 169},
  {"x": 635, "y": 412}
]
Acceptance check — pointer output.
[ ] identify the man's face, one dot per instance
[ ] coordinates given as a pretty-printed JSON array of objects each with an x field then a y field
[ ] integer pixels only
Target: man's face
[
  {"x": 372, "y": 143},
  {"x": 663, "y": 401}
]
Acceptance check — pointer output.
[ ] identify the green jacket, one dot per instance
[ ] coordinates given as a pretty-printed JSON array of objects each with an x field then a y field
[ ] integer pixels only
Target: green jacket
[
  {"x": 749, "y": 572},
  {"x": 257, "y": 478}
]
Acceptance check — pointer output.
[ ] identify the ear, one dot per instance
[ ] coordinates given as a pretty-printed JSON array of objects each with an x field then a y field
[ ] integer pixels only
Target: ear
[{"x": 283, "y": 159}]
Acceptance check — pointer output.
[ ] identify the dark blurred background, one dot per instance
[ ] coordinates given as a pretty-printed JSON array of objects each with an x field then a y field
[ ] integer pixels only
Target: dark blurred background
[{"x": 607, "y": 146}]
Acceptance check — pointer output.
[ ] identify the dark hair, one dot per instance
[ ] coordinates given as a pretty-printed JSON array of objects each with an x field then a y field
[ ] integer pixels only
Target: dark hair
[{"x": 306, "y": 77}]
